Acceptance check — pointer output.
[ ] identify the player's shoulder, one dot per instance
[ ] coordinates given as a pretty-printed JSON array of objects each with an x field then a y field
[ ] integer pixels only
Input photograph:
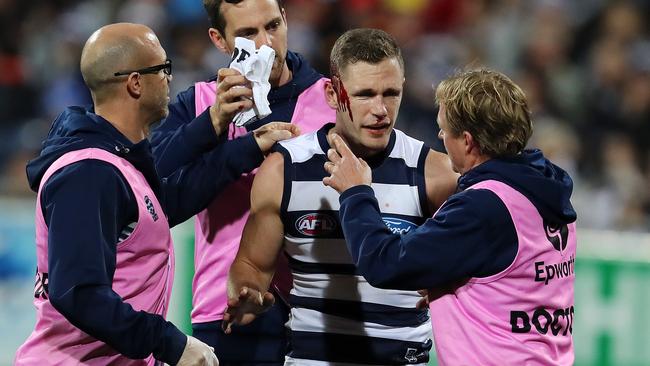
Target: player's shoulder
[
  {"x": 269, "y": 179},
  {"x": 401, "y": 135},
  {"x": 407, "y": 148},
  {"x": 302, "y": 140},
  {"x": 301, "y": 148}
]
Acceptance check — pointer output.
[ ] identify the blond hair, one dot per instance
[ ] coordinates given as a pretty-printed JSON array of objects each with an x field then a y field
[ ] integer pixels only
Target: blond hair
[{"x": 491, "y": 107}]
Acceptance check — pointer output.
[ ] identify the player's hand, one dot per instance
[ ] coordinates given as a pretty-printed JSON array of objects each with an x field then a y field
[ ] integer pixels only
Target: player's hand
[
  {"x": 423, "y": 303},
  {"x": 197, "y": 353},
  {"x": 273, "y": 132},
  {"x": 234, "y": 94},
  {"x": 345, "y": 169},
  {"x": 243, "y": 308}
]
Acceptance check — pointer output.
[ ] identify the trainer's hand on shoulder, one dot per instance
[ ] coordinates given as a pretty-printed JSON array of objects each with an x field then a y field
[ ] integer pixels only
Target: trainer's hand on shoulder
[
  {"x": 273, "y": 132},
  {"x": 197, "y": 353},
  {"x": 234, "y": 94}
]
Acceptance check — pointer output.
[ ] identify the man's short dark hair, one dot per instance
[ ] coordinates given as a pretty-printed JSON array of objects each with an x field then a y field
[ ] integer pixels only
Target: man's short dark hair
[
  {"x": 364, "y": 44},
  {"x": 217, "y": 21}
]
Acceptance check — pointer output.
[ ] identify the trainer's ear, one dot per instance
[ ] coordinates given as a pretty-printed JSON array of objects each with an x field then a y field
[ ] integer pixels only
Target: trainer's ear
[
  {"x": 133, "y": 85},
  {"x": 219, "y": 41},
  {"x": 470, "y": 143}
]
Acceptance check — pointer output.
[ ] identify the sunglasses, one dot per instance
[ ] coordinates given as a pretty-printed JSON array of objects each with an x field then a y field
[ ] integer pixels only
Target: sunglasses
[{"x": 166, "y": 67}]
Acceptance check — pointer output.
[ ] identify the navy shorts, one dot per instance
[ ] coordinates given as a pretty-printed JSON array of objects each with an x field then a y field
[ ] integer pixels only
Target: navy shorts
[{"x": 264, "y": 342}]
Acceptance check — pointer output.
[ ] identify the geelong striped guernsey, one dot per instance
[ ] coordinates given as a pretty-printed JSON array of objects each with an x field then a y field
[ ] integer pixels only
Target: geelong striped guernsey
[{"x": 337, "y": 318}]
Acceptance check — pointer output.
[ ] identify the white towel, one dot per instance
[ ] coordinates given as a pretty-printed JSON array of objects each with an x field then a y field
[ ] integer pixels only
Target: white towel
[{"x": 256, "y": 66}]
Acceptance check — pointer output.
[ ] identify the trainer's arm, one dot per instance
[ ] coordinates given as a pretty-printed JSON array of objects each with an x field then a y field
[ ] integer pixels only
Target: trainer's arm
[
  {"x": 472, "y": 235},
  {"x": 187, "y": 151},
  {"x": 191, "y": 188},
  {"x": 183, "y": 135},
  {"x": 261, "y": 243},
  {"x": 85, "y": 207}
]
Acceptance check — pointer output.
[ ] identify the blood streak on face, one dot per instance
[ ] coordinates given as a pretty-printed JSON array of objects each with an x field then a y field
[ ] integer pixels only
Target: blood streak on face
[{"x": 342, "y": 96}]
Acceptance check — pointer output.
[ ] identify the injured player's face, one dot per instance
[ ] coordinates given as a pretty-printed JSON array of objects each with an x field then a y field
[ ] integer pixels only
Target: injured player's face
[{"x": 368, "y": 97}]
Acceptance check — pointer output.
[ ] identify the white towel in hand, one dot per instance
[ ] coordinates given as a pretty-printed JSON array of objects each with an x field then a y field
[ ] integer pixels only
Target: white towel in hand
[{"x": 256, "y": 66}]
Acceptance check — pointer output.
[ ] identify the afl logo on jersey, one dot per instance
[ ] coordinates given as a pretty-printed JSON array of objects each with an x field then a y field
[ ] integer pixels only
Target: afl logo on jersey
[
  {"x": 398, "y": 226},
  {"x": 558, "y": 235},
  {"x": 315, "y": 224}
]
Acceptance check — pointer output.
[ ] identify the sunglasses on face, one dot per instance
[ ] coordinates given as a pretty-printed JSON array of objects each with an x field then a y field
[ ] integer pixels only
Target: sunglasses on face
[{"x": 166, "y": 67}]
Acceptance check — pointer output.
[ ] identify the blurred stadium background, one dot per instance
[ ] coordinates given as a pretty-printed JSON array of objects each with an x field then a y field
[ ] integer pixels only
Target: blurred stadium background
[{"x": 584, "y": 64}]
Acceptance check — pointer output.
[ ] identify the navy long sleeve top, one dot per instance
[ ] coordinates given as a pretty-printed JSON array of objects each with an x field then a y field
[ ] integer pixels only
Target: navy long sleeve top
[
  {"x": 87, "y": 205},
  {"x": 471, "y": 235}
]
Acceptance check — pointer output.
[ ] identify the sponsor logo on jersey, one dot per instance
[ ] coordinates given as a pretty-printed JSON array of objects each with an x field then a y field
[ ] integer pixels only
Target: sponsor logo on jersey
[
  {"x": 558, "y": 322},
  {"x": 547, "y": 272},
  {"x": 150, "y": 208},
  {"x": 557, "y": 235},
  {"x": 316, "y": 224},
  {"x": 398, "y": 226}
]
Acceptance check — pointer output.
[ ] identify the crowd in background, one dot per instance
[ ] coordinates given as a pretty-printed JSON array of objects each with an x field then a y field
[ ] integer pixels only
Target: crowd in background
[{"x": 584, "y": 65}]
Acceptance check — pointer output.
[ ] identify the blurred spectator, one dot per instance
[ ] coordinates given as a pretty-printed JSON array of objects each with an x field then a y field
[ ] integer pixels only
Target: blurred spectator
[{"x": 584, "y": 64}]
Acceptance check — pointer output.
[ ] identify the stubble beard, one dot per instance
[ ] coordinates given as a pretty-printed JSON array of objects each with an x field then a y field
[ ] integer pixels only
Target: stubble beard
[{"x": 276, "y": 71}]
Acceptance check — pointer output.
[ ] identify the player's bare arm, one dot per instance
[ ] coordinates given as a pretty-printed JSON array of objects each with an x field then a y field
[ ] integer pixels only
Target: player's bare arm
[
  {"x": 253, "y": 268},
  {"x": 441, "y": 180}
]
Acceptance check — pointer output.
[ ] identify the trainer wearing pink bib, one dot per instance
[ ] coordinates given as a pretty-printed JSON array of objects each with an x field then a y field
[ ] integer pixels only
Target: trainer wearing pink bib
[
  {"x": 105, "y": 260},
  {"x": 498, "y": 256},
  {"x": 297, "y": 95},
  {"x": 143, "y": 276}
]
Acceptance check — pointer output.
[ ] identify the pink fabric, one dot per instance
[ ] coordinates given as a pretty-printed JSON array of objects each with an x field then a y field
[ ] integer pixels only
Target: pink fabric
[
  {"x": 472, "y": 321},
  {"x": 143, "y": 277},
  {"x": 218, "y": 228}
]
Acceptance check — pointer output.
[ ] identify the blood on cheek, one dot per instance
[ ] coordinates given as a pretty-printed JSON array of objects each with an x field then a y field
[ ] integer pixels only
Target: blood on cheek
[{"x": 343, "y": 98}]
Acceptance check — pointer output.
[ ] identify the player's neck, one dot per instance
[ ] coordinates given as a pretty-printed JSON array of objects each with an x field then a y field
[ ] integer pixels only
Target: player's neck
[{"x": 359, "y": 151}]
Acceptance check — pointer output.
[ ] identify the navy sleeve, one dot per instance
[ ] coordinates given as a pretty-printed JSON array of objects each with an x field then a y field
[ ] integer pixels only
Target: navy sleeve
[
  {"x": 85, "y": 206},
  {"x": 193, "y": 162},
  {"x": 190, "y": 188},
  {"x": 182, "y": 135},
  {"x": 472, "y": 235}
]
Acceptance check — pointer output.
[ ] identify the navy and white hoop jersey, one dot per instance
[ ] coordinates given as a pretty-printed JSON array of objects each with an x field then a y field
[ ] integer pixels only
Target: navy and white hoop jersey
[{"x": 337, "y": 318}]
